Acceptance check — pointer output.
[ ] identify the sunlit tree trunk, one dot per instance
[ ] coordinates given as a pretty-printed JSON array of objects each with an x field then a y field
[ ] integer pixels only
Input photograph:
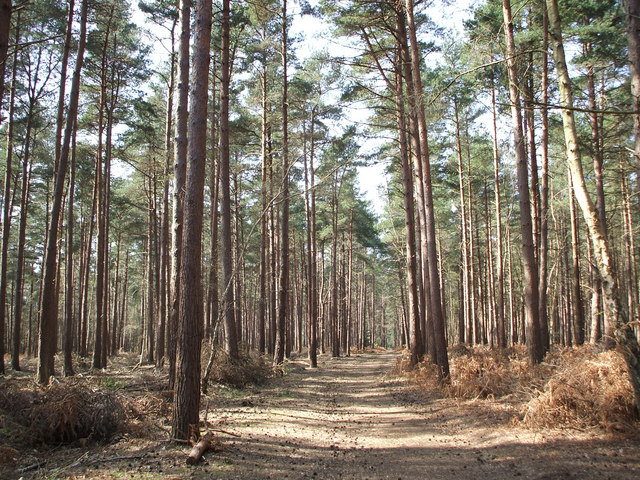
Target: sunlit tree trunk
[
  {"x": 5, "y": 28},
  {"x": 467, "y": 292},
  {"x": 49, "y": 298},
  {"x": 499, "y": 261},
  {"x": 191, "y": 313},
  {"x": 576, "y": 292},
  {"x": 67, "y": 342},
  {"x": 283, "y": 293},
  {"x": 165, "y": 273},
  {"x": 179, "y": 173},
  {"x": 434, "y": 276},
  {"x": 622, "y": 332},
  {"x": 312, "y": 267},
  {"x": 544, "y": 192},
  {"x": 230, "y": 314},
  {"x": 632, "y": 10},
  {"x": 528, "y": 248}
]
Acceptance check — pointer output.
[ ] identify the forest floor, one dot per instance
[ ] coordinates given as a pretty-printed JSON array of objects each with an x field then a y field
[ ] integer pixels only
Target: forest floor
[{"x": 352, "y": 418}]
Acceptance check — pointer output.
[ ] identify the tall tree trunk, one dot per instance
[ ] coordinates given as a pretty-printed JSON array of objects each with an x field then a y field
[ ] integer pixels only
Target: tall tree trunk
[
  {"x": 623, "y": 333},
  {"x": 49, "y": 299},
  {"x": 102, "y": 212},
  {"x": 22, "y": 230},
  {"x": 179, "y": 173},
  {"x": 283, "y": 293},
  {"x": 5, "y": 29},
  {"x": 467, "y": 293},
  {"x": 333, "y": 312},
  {"x": 150, "y": 329},
  {"x": 422, "y": 272},
  {"x": 500, "y": 316},
  {"x": 230, "y": 314},
  {"x": 528, "y": 248},
  {"x": 312, "y": 267},
  {"x": 165, "y": 286},
  {"x": 67, "y": 343},
  {"x": 576, "y": 293},
  {"x": 7, "y": 200},
  {"x": 434, "y": 275},
  {"x": 213, "y": 301},
  {"x": 632, "y": 10},
  {"x": 264, "y": 217},
  {"x": 543, "y": 248},
  {"x": 190, "y": 326}
]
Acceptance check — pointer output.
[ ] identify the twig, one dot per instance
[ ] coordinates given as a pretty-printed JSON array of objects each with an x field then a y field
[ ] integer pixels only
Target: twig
[
  {"x": 33, "y": 466},
  {"x": 225, "y": 432}
]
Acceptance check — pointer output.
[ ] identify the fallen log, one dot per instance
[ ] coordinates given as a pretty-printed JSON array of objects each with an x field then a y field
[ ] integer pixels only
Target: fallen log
[{"x": 207, "y": 442}]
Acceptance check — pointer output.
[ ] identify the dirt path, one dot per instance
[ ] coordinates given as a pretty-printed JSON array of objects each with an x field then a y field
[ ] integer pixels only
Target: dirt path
[{"x": 350, "y": 419}]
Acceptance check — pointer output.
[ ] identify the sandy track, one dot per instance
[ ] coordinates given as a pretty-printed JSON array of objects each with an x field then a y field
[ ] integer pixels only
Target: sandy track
[{"x": 350, "y": 419}]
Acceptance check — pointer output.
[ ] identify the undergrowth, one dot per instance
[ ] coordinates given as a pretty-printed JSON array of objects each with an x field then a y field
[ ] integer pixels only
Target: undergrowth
[
  {"x": 60, "y": 413},
  {"x": 574, "y": 387},
  {"x": 250, "y": 368}
]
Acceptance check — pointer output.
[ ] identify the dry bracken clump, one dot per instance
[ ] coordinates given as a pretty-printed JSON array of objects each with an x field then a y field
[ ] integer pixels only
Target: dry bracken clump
[
  {"x": 61, "y": 412},
  {"x": 588, "y": 389},
  {"x": 249, "y": 369}
]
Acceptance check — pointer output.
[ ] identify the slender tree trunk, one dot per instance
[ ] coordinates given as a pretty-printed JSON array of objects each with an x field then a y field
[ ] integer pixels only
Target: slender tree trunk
[
  {"x": 622, "y": 331},
  {"x": 283, "y": 293},
  {"x": 68, "y": 318},
  {"x": 49, "y": 299},
  {"x": 5, "y": 28},
  {"x": 528, "y": 248},
  {"x": 213, "y": 301},
  {"x": 165, "y": 279},
  {"x": 422, "y": 272},
  {"x": 543, "y": 253},
  {"x": 500, "y": 317},
  {"x": 434, "y": 276},
  {"x": 230, "y": 314},
  {"x": 150, "y": 330},
  {"x": 102, "y": 212},
  {"x": 576, "y": 293},
  {"x": 264, "y": 217},
  {"x": 632, "y": 10},
  {"x": 191, "y": 317},
  {"x": 179, "y": 173},
  {"x": 312, "y": 267},
  {"x": 22, "y": 230},
  {"x": 467, "y": 294},
  {"x": 8, "y": 176}
]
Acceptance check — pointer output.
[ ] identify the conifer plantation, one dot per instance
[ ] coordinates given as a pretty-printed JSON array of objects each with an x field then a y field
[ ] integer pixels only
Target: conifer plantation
[{"x": 319, "y": 239}]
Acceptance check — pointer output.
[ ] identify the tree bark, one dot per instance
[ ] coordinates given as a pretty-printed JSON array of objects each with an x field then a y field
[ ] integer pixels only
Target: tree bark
[
  {"x": 49, "y": 299},
  {"x": 623, "y": 333},
  {"x": 535, "y": 350},
  {"x": 434, "y": 275},
  {"x": 5, "y": 29},
  {"x": 499, "y": 287},
  {"x": 632, "y": 10},
  {"x": 283, "y": 293},
  {"x": 230, "y": 313},
  {"x": 179, "y": 172},
  {"x": 6, "y": 208},
  {"x": 67, "y": 343},
  {"x": 543, "y": 248},
  {"x": 191, "y": 317}
]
